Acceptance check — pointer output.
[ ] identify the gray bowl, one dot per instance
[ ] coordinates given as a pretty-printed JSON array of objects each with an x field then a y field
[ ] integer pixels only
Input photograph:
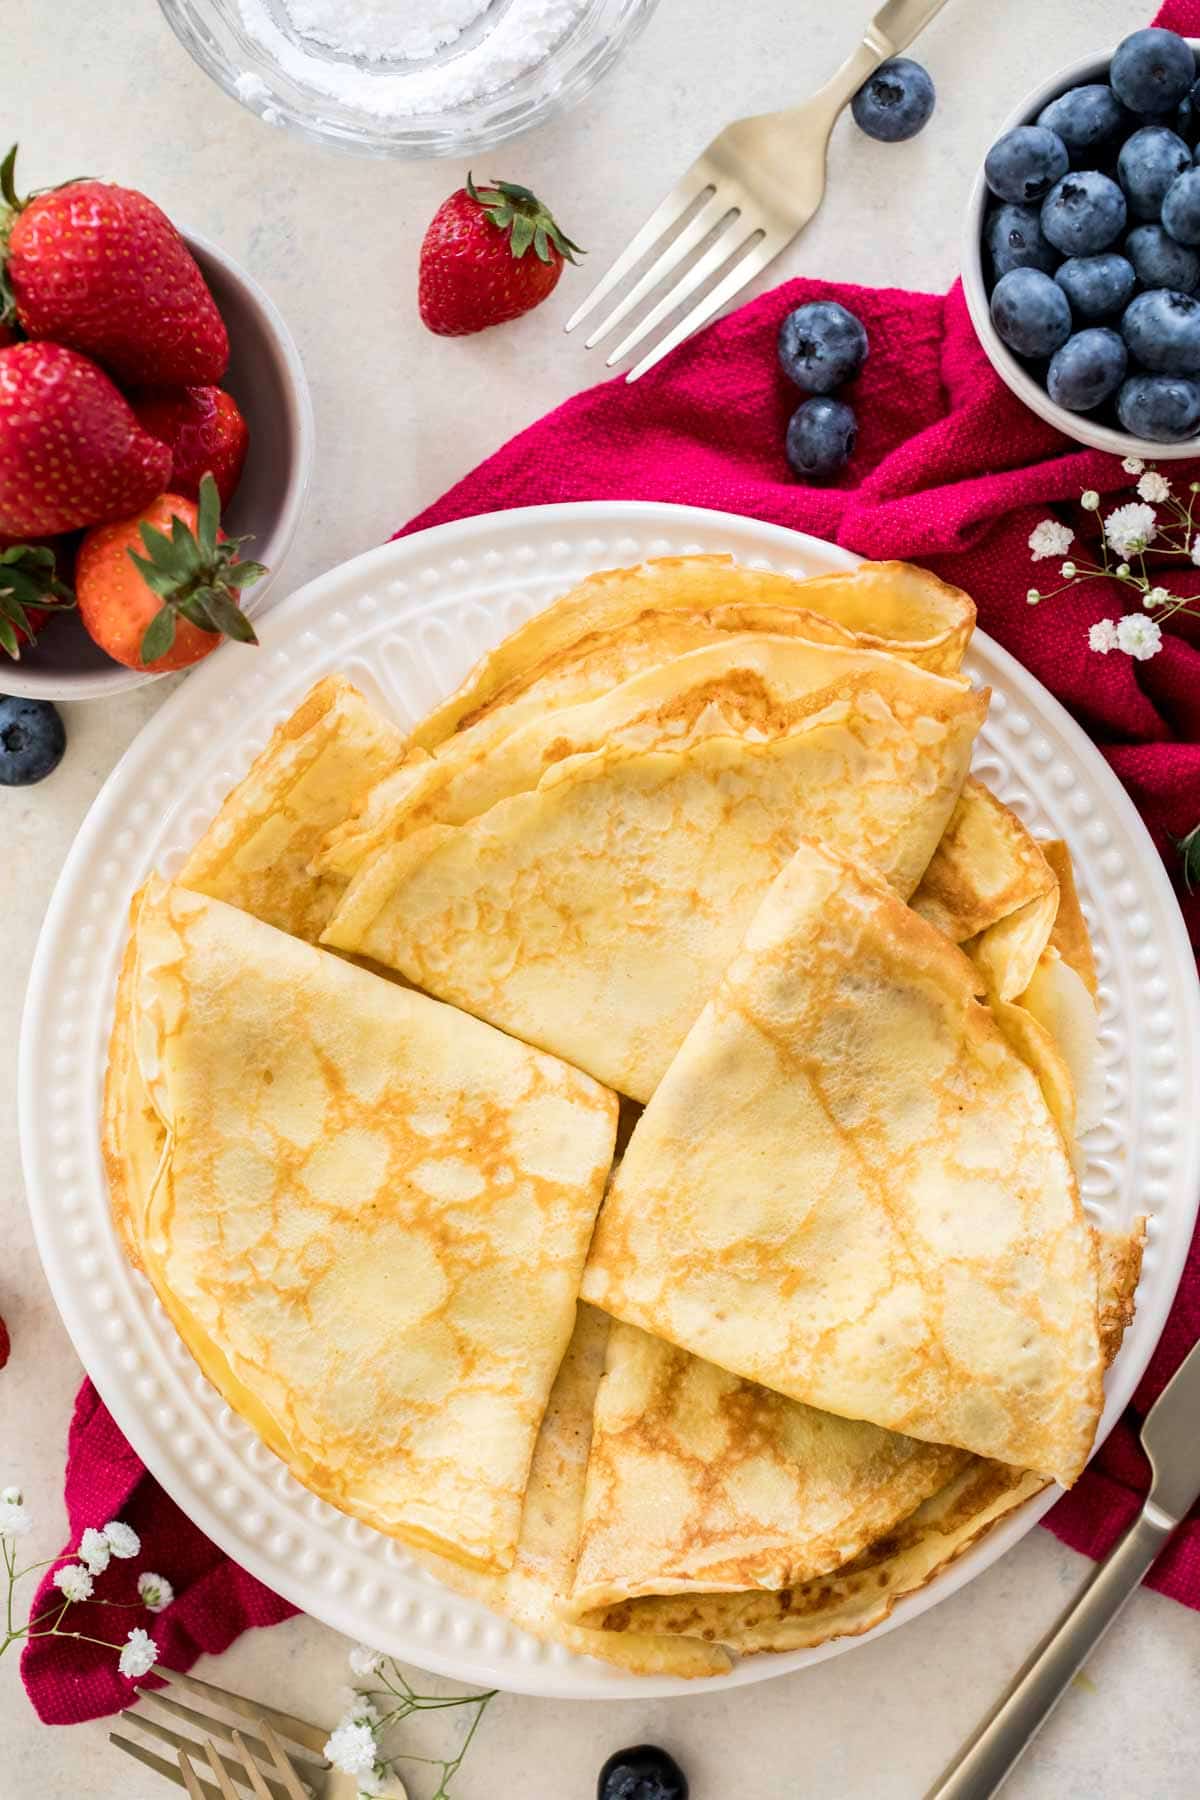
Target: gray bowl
[{"x": 266, "y": 378}]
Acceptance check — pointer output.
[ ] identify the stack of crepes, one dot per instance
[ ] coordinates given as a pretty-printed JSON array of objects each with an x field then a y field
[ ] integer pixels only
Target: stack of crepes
[{"x": 691, "y": 865}]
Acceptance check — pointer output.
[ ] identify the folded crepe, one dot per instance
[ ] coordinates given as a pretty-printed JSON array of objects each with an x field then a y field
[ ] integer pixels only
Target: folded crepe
[
  {"x": 852, "y": 1593},
  {"x": 622, "y": 622},
  {"x": 368, "y": 1217},
  {"x": 593, "y": 914},
  {"x": 257, "y": 851},
  {"x": 849, "y": 1188}
]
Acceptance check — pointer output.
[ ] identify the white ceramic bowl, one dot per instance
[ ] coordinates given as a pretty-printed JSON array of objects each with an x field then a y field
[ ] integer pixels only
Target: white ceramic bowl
[
  {"x": 266, "y": 378},
  {"x": 1081, "y": 427}
]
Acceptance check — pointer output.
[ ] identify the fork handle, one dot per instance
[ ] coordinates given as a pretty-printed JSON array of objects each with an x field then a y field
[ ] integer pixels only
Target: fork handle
[
  {"x": 988, "y": 1756},
  {"x": 892, "y": 29}
]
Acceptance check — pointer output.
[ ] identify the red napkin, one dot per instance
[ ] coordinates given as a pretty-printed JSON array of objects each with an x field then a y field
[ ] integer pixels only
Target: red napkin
[{"x": 950, "y": 471}]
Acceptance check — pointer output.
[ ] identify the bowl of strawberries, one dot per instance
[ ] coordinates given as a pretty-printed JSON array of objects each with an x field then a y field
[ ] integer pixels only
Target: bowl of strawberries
[{"x": 156, "y": 440}]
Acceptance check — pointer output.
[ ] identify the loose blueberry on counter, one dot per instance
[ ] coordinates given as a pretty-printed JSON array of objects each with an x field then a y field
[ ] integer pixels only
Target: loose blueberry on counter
[
  {"x": 1099, "y": 286},
  {"x": 1087, "y": 119},
  {"x": 1013, "y": 235},
  {"x": 821, "y": 435},
  {"x": 1031, "y": 312},
  {"x": 1024, "y": 164},
  {"x": 821, "y": 344},
  {"x": 1162, "y": 332},
  {"x": 1083, "y": 213},
  {"x": 1181, "y": 208},
  {"x": 1164, "y": 408},
  {"x": 643, "y": 1772},
  {"x": 1147, "y": 164},
  {"x": 32, "y": 740},
  {"x": 895, "y": 102},
  {"x": 1159, "y": 261},
  {"x": 1087, "y": 370},
  {"x": 1152, "y": 70},
  {"x": 1187, "y": 115}
]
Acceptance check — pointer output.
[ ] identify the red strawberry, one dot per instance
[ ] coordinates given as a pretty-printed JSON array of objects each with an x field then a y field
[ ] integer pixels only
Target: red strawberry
[
  {"x": 159, "y": 602},
  {"x": 204, "y": 431},
  {"x": 474, "y": 268},
  {"x": 102, "y": 269},
  {"x": 71, "y": 451},
  {"x": 31, "y": 588}
]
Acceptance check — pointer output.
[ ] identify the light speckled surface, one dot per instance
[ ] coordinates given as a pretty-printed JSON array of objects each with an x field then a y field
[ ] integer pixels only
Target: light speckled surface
[{"x": 335, "y": 241}]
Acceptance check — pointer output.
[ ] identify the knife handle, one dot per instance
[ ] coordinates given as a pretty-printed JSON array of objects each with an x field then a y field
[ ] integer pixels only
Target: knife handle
[
  {"x": 892, "y": 29},
  {"x": 988, "y": 1756}
]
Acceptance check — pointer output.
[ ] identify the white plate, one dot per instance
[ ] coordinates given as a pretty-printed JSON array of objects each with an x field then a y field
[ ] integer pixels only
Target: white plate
[{"x": 405, "y": 622}]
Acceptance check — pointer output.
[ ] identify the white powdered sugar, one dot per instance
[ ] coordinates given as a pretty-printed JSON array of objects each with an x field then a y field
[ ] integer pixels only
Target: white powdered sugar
[{"x": 387, "y": 46}]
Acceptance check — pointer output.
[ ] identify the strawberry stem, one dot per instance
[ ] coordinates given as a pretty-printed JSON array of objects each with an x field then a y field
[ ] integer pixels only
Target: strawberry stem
[
  {"x": 196, "y": 575},
  {"x": 28, "y": 582},
  {"x": 518, "y": 211}
]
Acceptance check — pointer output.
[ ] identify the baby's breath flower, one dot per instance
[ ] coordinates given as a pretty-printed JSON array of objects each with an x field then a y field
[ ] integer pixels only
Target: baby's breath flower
[
  {"x": 1089, "y": 500},
  {"x": 1154, "y": 486},
  {"x": 123, "y": 1540},
  {"x": 73, "y": 1581},
  {"x": 1068, "y": 571},
  {"x": 1133, "y": 465},
  {"x": 1158, "y": 596},
  {"x": 156, "y": 1591},
  {"x": 138, "y": 1655},
  {"x": 363, "y": 1661},
  {"x": 351, "y": 1748},
  {"x": 1103, "y": 636},
  {"x": 1050, "y": 538},
  {"x": 1122, "y": 569},
  {"x": 1033, "y": 596},
  {"x": 1130, "y": 527},
  {"x": 378, "y": 1786},
  {"x": 15, "y": 1518},
  {"x": 361, "y": 1711},
  {"x": 94, "y": 1550},
  {"x": 1196, "y": 549},
  {"x": 1139, "y": 636}
]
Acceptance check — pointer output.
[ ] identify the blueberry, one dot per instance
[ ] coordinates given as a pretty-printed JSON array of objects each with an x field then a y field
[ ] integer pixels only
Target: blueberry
[
  {"x": 1159, "y": 261},
  {"x": 821, "y": 345},
  {"x": 1030, "y": 312},
  {"x": 1013, "y": 235},
  {"x": 1087, "y": 119},
  {"x": 1152, "y": 70},
  {"x": 1162, "y": 332},
  {"x": 820, "y": 438},
  {"x": 1089, "y": 367},
  {"x": 1181, "y": 208},
  {"x": 1165, "y": 408},
  {"x": 1187, "y": 115},
  {"x": 1147, "y": 165},
  {"x": 32, "y": 740},
  {"x": 643, "y": 1772},
  {"x": 895, "y": 102},
  {"x": 1083, "y": 213},
  {"x": 1098, "y": 286},
  {"x": 1025, "y": 164}
]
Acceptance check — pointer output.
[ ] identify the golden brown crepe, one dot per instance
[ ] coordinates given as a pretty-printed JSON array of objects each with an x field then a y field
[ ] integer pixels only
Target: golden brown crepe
[
  {"x": 1070, "y": 934},
  {"x": 848, "y": 1188},
  {"x": 368, "y": 1221},
  {"x": 593, "y": 914}
]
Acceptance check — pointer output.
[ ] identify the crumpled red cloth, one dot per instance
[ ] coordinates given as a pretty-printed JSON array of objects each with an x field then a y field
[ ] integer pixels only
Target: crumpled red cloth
[{"x": 950, "y": 471}]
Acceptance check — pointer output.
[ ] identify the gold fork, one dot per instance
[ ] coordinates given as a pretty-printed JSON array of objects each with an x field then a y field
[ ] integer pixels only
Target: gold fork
[
  {"x": 257, "y": 1760},
  {"x": 755, "y": 187}
]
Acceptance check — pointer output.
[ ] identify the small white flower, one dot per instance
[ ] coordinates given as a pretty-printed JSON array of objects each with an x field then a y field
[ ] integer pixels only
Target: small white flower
[
  {"x": 1139, "y": 636},
  {"x": 1090, "y": 500},
  {"x": 73, "y": 1581},
  {"x": 1133, "y": 465},
  {"x": 382, "y": 1787},
  {"x": 123, "y": 1540},
  {"x": 1130, "y": 528},
  {"x": 138, "y": 1655},
  {"x": 15, "y": 1519},
  {"x": 1033, "y": 596},
  {"x": 1154, "y": 486},
  {"x": 364, "y": 1662},
  {"x": 11, "y": 1496},
  {"x": 351, "y": 1748},
  {"x": 1050, "y": 538},
  {"x": 1122, "y": 569},
  {"x": 156, "y": 1591},
  {"x": 1103, "y": 636},
  {"x": 1158, "y": 596},
  {"x": 1196, "y": 549},
  {"x": 1068, "y": 571},
  {"x": 370, "y": 1784},
  {"x": 94, "y": 1550},
  {"x": 361, "y": 1711}
]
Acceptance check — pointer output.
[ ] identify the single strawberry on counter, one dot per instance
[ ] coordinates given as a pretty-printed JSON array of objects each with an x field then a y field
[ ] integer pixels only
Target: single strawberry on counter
[
  {"x": 101, "y": 269},
  {"x": 31, "y": 589},
  {"x": 205, "y": 432},
  {"x": 71, "y": 451},
  {"x": 476, "y": 269},
  {"x": 160, "y": 602}
]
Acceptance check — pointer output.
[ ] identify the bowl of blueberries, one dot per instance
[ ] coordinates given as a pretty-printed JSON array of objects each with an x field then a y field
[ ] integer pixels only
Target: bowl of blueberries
[{"x": 1082, "y": 258}]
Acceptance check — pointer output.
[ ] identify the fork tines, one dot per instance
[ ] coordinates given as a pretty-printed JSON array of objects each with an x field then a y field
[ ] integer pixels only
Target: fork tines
[{"x": 255, "y": 1759}]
